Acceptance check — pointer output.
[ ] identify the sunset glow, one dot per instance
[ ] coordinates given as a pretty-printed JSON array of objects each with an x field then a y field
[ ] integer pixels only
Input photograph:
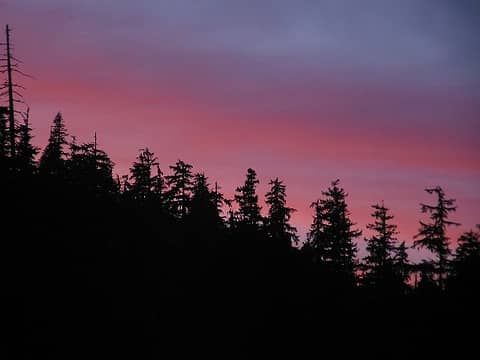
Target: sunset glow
[{"x": 388, "y": 104}]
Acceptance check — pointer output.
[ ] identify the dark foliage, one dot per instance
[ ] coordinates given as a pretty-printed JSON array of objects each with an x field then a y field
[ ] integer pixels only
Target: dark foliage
[
  {"x": 150, "y": 266},
  {"x": 331, "y": 234},
  {"x": 433, "y": 235},
  {"x": 158, "y": 266},
  {"x": 386, "y": 265}
]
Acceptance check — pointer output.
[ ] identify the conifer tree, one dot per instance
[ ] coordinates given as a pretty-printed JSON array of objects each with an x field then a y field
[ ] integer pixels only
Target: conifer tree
[
  {"x": 331, "y": 234},
  {"x": 203, "y": 206},
  {"x": 219, "y": 200},
  {"x": 433, "y": 235},
  {"x": 158, "y": 186},
  {"x": 380, "y": 247},
  {"x": 52, "y": 161},
  {"x": 401, "y": 263},
  {"x": 200, "y": 188},
  {"x": 466, "y": 263},
  {"x": 316, "y": 243},
  {"x": 144, "y": 184},
  {"x": 427, "y": 283},
  {"x": 247, "y": 200},
  {"x": 468, "y": 246},
  {"x": 179, "y": 188},
  {"x": 231, "y": 214},
  {"x": 124, "y": 185},
  {"x": 90, "y": 168},
  {"x": 26, "y": 152},
  {"x": 103, "y": 172},
  {"x": 279, "y": 214}
]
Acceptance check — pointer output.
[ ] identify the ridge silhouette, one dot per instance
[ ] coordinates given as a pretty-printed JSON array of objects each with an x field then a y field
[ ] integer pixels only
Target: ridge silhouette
[{"x": 152, "y": 264}]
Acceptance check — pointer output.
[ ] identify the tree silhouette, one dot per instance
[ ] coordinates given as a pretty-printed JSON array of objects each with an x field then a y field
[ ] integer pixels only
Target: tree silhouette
[
  {"x": 427, "y": 284},
  {"x": 26, "y": 152},
  {"x": 144, "y": 183},
  {"x": 158, "y": 187},
  {"x": 278, "y": 221},
  {"x": 202, "y": 197},
  {"x": 466, "y": 263},
  {"x": 147, "y": 262},
  {"x": 179, "y": 188},
  {"x": 9, "y": 68},
  {"x": 468, "y": 246},
  {"x": 90, "y": 168},
  {"x": 380, "y": 247},
  {"x": 331, "y": 233},
  {"x": 205, "y": 202},
  {"x": 52, "y": 161},
  {"x": 433, "y": 235},
  {"x": 219, "y": 200},
  {"x": 231, "y": 214},
  {"x": 401, "y": 263},
  {"x": 317, "y": 243},
  {"x": 247, "y": 200},
  {"x": 10, "y": 65},
  {"x": 204, "y": 219}
]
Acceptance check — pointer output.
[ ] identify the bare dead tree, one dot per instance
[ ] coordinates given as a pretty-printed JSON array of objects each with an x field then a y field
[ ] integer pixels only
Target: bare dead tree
[{"x": 9, "y": 65}]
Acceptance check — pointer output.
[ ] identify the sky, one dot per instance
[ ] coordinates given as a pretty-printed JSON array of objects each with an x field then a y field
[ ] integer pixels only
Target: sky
[{"x": 383, "y": 95}]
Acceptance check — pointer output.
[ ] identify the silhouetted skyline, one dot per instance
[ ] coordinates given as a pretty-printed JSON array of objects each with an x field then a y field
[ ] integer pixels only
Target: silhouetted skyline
[
  {"x": 292, "y": 179},
  {"x": 382, "y": 95}
]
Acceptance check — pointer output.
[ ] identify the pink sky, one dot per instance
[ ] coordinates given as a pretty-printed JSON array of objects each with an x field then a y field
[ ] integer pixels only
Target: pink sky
[{"x": 230, "y": 90}]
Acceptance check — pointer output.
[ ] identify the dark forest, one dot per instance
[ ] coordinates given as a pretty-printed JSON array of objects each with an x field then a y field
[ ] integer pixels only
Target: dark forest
[{"x": 159, "y": 263}]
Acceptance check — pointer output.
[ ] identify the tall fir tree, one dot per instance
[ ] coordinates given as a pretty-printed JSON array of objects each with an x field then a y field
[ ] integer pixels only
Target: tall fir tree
[
  {"x": 144, "y": 184},
  {"x": 427, "y": 283},
  {"x": 331, "y": 234},
  {"x": 204, "y": 212},
  {"x": 401, "y": 263},
  {"x": 219, "y": 200},
  {"x": 468, "y": 246},
  {"x": 26, "y": 152},
  {"x": 380, "y": 247},
  {"x": 179, "y": 191},
  {"x": 201, "y": 193},
  {"x": 279, "y": 214},
  {"x": 433, "y": 235},
  {"x": 465, "y": 270},
  {"x": 247, "y": 200},
  {"x": 52, "y": 161},
  {"x": 91, "y": 169},
  {"x": 158, "y": 186},
  {"x": 231, "y": 220}
]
